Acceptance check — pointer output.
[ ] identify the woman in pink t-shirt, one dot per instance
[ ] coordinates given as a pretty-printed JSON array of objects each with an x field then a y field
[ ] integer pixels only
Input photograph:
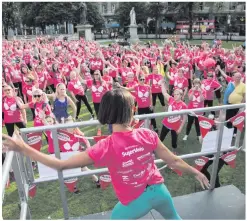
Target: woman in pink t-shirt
[
  {"x": 78, "y": 94},
  {"x": 196, "y": 100},
  {"x": 176, "y": 123},
  {"x": 98, "y": 89},
  {"x": 144, "y": 100},
  {"x": 13, "y": 115},
  {"x": 210, "y": 85},
  {"x": 40, "y": 105},
  {"x": 128, "y": 155}
]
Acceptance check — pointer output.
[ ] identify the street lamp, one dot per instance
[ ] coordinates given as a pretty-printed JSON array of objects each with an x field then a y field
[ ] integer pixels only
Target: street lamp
[{"x": 228, "y": 25}]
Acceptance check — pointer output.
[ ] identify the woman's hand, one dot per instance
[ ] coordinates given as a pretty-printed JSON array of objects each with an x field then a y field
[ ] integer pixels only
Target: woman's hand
[
  {"x": 203, "y": 180},
  {"x": 14, "y": 143}
]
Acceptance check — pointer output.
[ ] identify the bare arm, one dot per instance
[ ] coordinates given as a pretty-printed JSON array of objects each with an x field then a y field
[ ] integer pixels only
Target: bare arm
[
  {"x": 17, "y": 144},
  {"x": 72, "y": 104},
  {"x": 176, "y": 162}
]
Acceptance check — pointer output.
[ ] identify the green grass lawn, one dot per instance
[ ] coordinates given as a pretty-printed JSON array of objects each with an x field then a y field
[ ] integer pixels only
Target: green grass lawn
[
  {"x": 47, "y": 201},
  {"x": 225, "y": 44}
]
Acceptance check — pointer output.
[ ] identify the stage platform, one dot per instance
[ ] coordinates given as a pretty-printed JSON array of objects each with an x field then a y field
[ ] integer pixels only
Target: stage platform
[{"x": 225, "y": 203}]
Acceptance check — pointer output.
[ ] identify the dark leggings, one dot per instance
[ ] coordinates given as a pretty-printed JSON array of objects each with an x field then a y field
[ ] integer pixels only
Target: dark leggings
[
  {"x": 19, "y": 86},
  {"x": 33, "y": 112},
  {"x": 161, "y": 98},
  {"x": 207, "y": 174},
  {"x": 171, "y": 89},
  {"x": 11, "y": 127},
  {"x": 190, "y": 122},
  {"x": 85, "y": 101},
  {"x": 209, "y": 103},
  {"x": 96, "y": 108},
  {"x": 190, "y": 84},
  {"x": 165, "y": 131},
  {"x": 229, "y": 114},
  {"x": 147, "y": 110}
]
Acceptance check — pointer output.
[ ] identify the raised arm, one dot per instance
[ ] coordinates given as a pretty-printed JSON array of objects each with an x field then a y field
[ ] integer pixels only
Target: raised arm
[
  {"x": 16, "y": 143},
  {"x": 176, "y": 162}
]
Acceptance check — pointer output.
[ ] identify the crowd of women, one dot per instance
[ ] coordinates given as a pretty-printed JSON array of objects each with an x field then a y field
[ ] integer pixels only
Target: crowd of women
[{"x": 49, "y": 76}]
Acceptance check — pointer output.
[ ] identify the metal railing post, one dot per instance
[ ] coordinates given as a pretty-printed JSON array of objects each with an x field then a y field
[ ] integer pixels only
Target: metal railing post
[
  {"x": 60, "y": 175},
  {"x": 218, "y": 144},
  {"x": 237, "y": 140},
  {"x": 29, "y": 166},
  {"x": 146, "y": 123},
  {"x": 6, "y": 168},
  {"x": 22, "y": 188}
]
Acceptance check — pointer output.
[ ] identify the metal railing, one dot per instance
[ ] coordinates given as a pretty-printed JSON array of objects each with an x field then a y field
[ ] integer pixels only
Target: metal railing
[{"x": 24, "y": 172}]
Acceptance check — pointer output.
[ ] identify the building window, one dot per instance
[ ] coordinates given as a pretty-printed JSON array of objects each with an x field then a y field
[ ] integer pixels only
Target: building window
[
  {"x": 201, "y": 6},
  {"x": 104, "y": 9},
  {"x": 232, "y": 5},
  {"x": 113, "y": 7}
]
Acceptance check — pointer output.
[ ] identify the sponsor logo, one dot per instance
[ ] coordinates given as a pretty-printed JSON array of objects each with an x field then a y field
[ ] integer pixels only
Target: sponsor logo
[
  {"x": 238, "y": 120},
  {"x": 127, "y": 163},
  {"x": 125, "y": 178},
  {"x": 124, "y": 171},
  {"x": 131, "y": 152},
  {"x": 173, "y": 119},
  {"x": 105, "y": 178},
  {"x": 200, "y": 162},
  {"x": 63, "y": 137},
  {"x": 139, "y": 185},
  {"x": 139, "y": 175},
  {"x": 143, "y": 156},
  {"x": 33, "y": 140},
  {"x": 205, "y": 124},
  {"x": 230, "y": 158}
]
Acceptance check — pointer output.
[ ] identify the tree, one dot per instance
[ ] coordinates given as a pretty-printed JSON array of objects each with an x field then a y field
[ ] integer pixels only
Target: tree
[
  {"x": 8, "y": 16},
  {"x": 155, "y": 10},
  {"x": 41, "y": 14},
  {"x": 122, "y": 13}
]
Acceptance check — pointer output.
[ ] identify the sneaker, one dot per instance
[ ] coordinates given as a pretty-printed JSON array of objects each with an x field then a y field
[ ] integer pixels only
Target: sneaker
[
  {"x": 211, "y": 116},
  {"x": 92, "y": 118},
  {"x": 99, "y": 132},
  {"x": 76, "y": 118},
  {"x": 76, "y": 191},
  {"x": 97, "y": 183},
  {"x": 185, "y": 137}
]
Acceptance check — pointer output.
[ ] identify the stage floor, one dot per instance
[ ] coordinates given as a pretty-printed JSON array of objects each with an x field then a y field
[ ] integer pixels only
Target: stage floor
[{"x": 225, "y": 203}]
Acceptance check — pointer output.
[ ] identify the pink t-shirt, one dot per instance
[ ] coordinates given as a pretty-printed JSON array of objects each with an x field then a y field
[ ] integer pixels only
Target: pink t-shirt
[
  {"x": 76, "y": 87},
  {"x": 98, "y": 90},
  {"x": 209, "y": 86},
  {"x": 155, "y": 82},
  {"x": 129, "y": 158},
  {"x": 180, "y": 83},
  {"x": 196, "y": 101},
  {"x": 142, "y": 95},
  {"x": 12, "y": 113},
  {"x": 41, "y": 109},
  {"x": 124, "y": 72},
  {"x": 174, "y": 121}
]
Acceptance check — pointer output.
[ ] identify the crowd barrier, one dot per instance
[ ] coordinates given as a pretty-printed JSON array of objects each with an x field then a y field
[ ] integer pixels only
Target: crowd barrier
[{"x": 23, "y": 170}]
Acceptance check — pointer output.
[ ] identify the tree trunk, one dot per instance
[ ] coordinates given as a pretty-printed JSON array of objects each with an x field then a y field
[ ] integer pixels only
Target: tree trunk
[
  {"x": 156, "y": 27},
  {"x": 190, "y": 20}
]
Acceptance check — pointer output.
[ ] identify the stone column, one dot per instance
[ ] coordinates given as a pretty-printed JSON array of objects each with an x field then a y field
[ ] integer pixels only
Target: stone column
[
  {"x": 84, "y": 31},
  {"x": 133, "y": 33}
]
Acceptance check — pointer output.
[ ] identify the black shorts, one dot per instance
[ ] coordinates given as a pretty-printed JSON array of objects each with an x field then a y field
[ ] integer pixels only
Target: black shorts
[
  {"x": 218, "y": 94},
  {"x": 161, "y": 98},
  {"x": 96, "y": 108}
]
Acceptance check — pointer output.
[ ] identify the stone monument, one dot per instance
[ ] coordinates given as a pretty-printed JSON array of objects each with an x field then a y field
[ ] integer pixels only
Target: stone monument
[
  {"x": 133, "y": 26},
  {"x": 84, "y": 29}
]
